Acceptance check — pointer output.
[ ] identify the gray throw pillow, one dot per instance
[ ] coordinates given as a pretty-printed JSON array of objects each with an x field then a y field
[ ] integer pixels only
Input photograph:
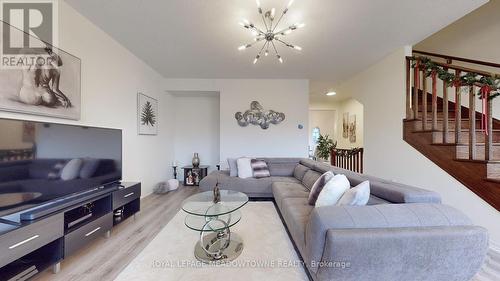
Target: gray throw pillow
[
  {"x": 89, "y": 167},
  {"x": 72, "y": 169},
  {"x": 318, "y": 186},
  {"x": 233, "y": 167},
  {"x": 299, "y": 171}
]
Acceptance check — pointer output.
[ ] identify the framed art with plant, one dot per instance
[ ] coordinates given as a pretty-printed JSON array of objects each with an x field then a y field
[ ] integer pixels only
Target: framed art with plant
[{"x": 147, "y": 115}]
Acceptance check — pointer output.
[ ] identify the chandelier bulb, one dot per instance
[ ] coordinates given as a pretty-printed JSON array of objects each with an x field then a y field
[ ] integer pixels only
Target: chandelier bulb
[
  {"x": 258, "y": 3},
  {"x": 266, "y": 53},
  {"x": 279, "y": 58},
  {"x": 256, "y": 59},
  {"x": 289, "y": 4},
  {"x": 273, "y": 12},
  {"x": 243, "y": 47},
  {"x": 297, "y": 48}
]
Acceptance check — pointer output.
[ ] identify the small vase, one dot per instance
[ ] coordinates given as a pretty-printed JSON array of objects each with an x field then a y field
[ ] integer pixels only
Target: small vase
[{"x": 196, "y": 160}]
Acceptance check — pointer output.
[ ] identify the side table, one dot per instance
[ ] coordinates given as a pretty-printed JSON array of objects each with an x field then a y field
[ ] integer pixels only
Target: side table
[{"x": 193, "y": 176}]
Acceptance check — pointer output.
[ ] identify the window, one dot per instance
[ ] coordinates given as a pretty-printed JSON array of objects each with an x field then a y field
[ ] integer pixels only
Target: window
[{"x": 315, "y": 135}]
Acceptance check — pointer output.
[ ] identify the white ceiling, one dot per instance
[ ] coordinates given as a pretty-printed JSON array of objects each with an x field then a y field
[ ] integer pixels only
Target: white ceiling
[{"x": 199, "y": 38}]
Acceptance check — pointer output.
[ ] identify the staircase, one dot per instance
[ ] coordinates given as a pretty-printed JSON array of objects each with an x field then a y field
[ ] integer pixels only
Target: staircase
[{"x": 451, "y": 135}]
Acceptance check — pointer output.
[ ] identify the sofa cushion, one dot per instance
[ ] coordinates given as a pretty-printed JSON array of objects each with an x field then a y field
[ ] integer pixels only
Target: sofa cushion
[
  {"x": 295, "y": 212},
  {"x": 310, "y": 178},
  {"x": 324, "y": 167},
  {"x": 318, "y": 187},
  {"x": 281, "y": 169},
  {"x": 282, "y": 190},
  {"x": 299, "y": 171},
  {"x": 374, "y": 200},
  {"x": 250, "y": 186},
  {"x": 385, "y": 189},
  {"x": 308, "y": 163}
]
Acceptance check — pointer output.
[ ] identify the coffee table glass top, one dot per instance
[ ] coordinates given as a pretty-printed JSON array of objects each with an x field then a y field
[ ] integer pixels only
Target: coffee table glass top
[{"x": 202, "y": 204}]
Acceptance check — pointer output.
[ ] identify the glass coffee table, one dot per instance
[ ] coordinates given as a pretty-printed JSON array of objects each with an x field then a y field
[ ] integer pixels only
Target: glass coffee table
[{"x": 213, "y": 220}]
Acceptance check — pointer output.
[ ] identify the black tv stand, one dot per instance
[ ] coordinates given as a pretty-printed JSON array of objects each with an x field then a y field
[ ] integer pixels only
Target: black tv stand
[{"x": 32, "y": 246}]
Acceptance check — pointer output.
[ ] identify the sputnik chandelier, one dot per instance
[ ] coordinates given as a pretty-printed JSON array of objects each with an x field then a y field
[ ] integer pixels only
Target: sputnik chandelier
[{"x": 270, "y": 34}]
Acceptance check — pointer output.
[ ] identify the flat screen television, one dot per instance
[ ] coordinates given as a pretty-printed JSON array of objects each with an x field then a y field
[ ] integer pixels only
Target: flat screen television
[{"x": 42, "y": 162}]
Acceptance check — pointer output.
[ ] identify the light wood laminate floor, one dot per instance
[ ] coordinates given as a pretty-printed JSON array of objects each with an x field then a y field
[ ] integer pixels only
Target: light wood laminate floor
[{"x": 105, "y": 258}]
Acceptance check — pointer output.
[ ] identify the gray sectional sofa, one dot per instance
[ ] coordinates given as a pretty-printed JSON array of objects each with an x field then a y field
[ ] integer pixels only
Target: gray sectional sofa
[{"x": 404, "y": 233}]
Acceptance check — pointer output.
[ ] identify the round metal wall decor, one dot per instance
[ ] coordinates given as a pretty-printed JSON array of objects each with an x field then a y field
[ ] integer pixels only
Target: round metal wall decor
[{"x": 257, "y": 116}]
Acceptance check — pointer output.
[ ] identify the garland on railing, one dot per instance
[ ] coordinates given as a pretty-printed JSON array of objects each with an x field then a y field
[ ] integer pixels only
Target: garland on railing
[
  {"x": 346, "y": 152},
  {"x": 488, "y": 84}
]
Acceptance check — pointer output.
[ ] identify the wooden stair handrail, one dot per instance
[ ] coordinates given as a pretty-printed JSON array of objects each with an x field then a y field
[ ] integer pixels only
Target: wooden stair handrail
[
  {"x": 349, "y": 159},
  {"x": 463, "y": 69},
  {"x": 452, "y": 58}
]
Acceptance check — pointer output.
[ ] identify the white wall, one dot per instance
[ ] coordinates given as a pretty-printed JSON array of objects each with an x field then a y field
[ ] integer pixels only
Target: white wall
[
  {"x": 381, "y": 89},
  {"x": 288, "y": 96},
  {"x": 197, "y": 121},
  {"x": 111, "y": 77}
]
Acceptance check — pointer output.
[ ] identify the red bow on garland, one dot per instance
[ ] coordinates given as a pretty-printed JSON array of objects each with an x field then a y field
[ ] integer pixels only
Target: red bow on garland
[{"x": 485, "y": 91}]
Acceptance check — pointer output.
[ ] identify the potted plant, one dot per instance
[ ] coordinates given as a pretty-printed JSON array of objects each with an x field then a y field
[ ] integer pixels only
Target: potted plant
[{"x": 324, "y": 147}]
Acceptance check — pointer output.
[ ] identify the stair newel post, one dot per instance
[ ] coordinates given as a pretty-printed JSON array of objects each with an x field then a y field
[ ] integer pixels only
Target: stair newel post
[
  {"x": 416, "y": 88},
  {"x": 445, "y": 111},
  {"x": 472, "y": 123},
  {"x": 424, "y": 99},
  {"x": 409, "y": 113},
  {"x": 458, "y": 109},
  {"x": 488, "y": 153},
  {"x": 434, "y": 101}
]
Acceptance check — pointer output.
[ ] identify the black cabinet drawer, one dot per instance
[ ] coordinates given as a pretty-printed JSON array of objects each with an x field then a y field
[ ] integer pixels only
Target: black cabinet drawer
[
  {"x": 85, "y": 234},
  {"x": 18, "y": 243},
  {"x": 126, "y": 195}
]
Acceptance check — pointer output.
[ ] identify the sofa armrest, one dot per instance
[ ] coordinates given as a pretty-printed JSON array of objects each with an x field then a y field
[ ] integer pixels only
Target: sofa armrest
[
  {"x": 409, "y": 253},
  {"x": 388, "y": 216}
]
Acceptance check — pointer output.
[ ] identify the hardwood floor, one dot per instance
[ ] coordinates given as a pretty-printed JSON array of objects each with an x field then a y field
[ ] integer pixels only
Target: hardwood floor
[{"x": 105, "y": 258}]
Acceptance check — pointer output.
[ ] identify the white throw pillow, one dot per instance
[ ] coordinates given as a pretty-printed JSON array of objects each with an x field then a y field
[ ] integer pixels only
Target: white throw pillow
[
  {"x": 244, "y": 168},
  {"x": 333, "y": 191},
  {"x": 356, "y": 196}
]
